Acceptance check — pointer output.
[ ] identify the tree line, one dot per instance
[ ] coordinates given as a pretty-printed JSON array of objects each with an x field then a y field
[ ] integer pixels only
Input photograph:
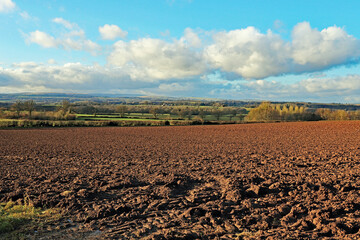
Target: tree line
[
  {"x": 67, "y": 111},
  {"x": 285, "y": 112},
  {"x": 266, "y": 111}
]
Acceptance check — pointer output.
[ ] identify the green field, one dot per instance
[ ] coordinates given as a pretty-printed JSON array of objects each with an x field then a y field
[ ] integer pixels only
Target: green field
[{"x": 148, "y": 117}]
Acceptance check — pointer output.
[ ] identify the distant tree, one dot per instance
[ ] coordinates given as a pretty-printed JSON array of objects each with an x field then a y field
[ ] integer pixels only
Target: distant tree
[
  {"x": 66, "y": 106},
  {"x": 296, "y": 109},
  {"x": 122, "y": 109},
  {"x": 324, "y": 113},
  {"x": 263, "y": 112},
  {"x": 301, "y": 110},
  {"x": 278, "y": 108},
  {"x": 189, "y": 114},
  {"x": 154, "y": 111},
  {"x": 182, "y": 112},
  {"x": 17, "y": 107},
  {"x": 217, "y": 113},
  {"x": 233, "y": 113},
  {"x": 2, "y": 112},
  {"x": 291, "y": 109},
  {"x": 355, "y": 115},
  {"x": 284, "y": 110},
  {"x": 29, "y": 106},
  {"x": 202, "y": 114},
  {"x": 341, "y": 115}
]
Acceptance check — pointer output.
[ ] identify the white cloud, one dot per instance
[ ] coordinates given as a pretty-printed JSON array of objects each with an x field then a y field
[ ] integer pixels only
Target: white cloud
[
  {"x": 42, "y": 39},
  {"x": 315, "y": 49},
  {"x": 334, "y": 89},
  {"x": 75, "y": 39},
  {"x": 65, "y": 23},
  {"x": 249, "y": 53},
  {"x": 173, "y": 65},
  {"x": 174, "y": 87},
  {"x": 25, "y": 65},
  {"x": 25, "y": 15},
  {"x": 7, "y": 6},
  {"x": 155, "y": 59},
  {"x": 51, "y": 61},
  {"x": 254, "y": 55},
  {"x": 192, "y": 38},
  {"x": 338, "y": 85},
  {"x": 111, "y": 32},
  {"x": 28, "y": 76},
  {"x": 75, "y": 77}
]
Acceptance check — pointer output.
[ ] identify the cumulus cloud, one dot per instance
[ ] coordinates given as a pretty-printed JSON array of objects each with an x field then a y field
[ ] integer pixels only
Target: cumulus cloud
[
  {"x": 249, "y": 53},
  {"x": 111, "y": 32},
  {"x": 43, "y": 39},
  {"x": 6, "y": 6},
  {"x": 155, "y": 59},
  {"x": 253, "y": 55},
  {"x": 222, "y": 65},
  {"x": 191, "y": 38},
  {"x": 74, "y": 39},
  {"x": 315, "y": 49},
  {"x": 238, "y": 54}
]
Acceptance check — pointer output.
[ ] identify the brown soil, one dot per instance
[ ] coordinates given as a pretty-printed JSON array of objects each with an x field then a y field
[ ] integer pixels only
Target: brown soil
[{"x": 251, "y": 181}]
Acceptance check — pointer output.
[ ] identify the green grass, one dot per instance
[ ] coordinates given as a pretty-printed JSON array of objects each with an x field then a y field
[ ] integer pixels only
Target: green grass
[
  {"x": 128, "y": 117},
  {"x": 117, "y": 119},
  {"x": 17, "y": 219},
  {"x": 82, "y": 117}
]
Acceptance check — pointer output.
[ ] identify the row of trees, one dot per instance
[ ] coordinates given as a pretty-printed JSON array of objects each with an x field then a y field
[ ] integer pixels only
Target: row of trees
[
  {"x": 28, "y": 110},
  {"x": 328, "y": 114},
  {"x": 19, "y": 106},
  {"x": 66, "y": 111},
  {"x": 278, "y": 112},
  {"x": 178, "y": 112},
  {"x": 264, "y": 112}
]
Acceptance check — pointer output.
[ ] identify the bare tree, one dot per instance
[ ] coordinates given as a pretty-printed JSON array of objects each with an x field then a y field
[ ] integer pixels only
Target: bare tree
[
  {"x": 29, "y": 106},
  {"x": 17, "y": 107},
  {"x": 122, "y": 109},
  {"x": 217, "y": 113},
  {"x": 202, "y": 113},
  {"x": 233, "y": 113},
  {"x": 154, "y": 111}
]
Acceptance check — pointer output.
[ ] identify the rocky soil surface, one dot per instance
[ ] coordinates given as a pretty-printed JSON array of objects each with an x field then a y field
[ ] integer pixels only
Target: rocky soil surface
[{"x": 250, "y": 181}]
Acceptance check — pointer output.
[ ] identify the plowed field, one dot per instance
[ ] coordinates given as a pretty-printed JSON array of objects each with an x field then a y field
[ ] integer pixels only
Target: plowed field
[{"x": 250, "y": 181}]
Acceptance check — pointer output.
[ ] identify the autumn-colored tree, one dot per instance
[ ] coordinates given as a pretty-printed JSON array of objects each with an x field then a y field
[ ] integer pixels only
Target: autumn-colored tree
[
  {"x": 324, "y": 113},
  {"x": 264, "y": 112},
  {"x": 341, "y": 115}
]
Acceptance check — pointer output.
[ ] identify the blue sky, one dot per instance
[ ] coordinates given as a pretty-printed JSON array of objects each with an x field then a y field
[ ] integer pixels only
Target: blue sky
[{"x": 263, "y": 50}]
